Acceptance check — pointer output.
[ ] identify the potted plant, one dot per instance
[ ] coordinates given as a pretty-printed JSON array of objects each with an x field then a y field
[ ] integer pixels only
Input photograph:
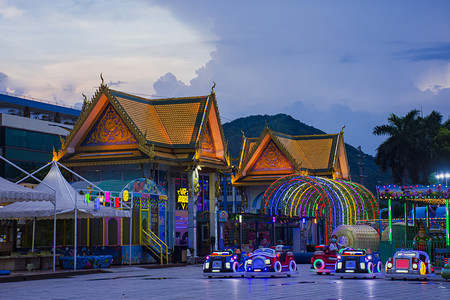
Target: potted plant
[{"x": 445, "y": 272}]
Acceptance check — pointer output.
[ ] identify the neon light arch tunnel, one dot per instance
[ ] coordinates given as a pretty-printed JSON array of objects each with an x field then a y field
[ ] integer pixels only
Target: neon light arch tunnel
[{"x": 338, "y": 202}]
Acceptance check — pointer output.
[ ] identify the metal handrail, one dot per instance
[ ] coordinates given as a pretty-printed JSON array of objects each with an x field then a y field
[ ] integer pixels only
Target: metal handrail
[
  {"x": 156, "y": 240},
  {"x": 162, "y": 243}
]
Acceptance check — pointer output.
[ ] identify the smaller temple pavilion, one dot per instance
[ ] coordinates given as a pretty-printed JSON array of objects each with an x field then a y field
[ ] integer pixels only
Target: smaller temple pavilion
[
  {"x": 175, "y": 145},
  {"x": 273, "y": 155},
  {"x": 298, "y": 189}
]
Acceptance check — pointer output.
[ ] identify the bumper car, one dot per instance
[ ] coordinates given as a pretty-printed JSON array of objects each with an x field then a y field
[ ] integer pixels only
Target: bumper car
[
  {"x": 358, "y": 264},
  {"x": 409, "y": 264},
  {"x": 268, "y": 262},
  {"x": 323, "y": 261},
  {"x": 225, "y": 264}
]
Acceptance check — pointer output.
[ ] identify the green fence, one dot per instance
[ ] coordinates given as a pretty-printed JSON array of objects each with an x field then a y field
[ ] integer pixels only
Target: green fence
[{"x": 437, "y": 250}]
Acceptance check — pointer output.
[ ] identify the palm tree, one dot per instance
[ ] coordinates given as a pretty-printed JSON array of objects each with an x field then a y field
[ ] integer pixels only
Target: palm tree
[
  {"x": 413, "y": 147},
  {"x": 399, "y": 151},
  {"x": 441, "y": 143},
  {"x": 427, "y": 159}
]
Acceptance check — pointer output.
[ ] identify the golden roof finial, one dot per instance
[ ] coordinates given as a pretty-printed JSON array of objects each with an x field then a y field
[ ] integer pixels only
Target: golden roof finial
[
  {"x": 243, "y": 134},
  {"x": 342, "y": 129},
  {"x": 212, "y": 89},
  {"x": 84, "y": 96},
  {"x": 267, "y": 125},
  {"x": 101, "y": 77}
]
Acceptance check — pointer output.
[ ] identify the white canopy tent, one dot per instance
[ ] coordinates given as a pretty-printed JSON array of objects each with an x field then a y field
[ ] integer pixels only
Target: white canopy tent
[
  {"x": 69, "y": 204},
  {"x": 14, "y": 194},
  {"x": 11, "y": 192},
  {"x": 65, "y": 202}
]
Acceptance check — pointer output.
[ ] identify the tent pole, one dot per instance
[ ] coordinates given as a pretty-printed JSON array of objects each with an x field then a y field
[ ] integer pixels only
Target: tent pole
[
  {"x": 34, "y": 233},
  {"x": 33, "y": 173},
  {"x": 22, "y": 170},
  {"x": 131, "y": 225},
  {"x": 54, "y": 238},
  {"x": 75, "y": 238},
  {"x": 69, "y": 170}
]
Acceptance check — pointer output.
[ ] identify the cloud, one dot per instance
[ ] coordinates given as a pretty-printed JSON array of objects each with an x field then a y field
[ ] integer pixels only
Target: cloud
[
  {"x": 9, "y": 86},
  {"x": 358, "y": 124},
  {"x": 117, "y": 83},
  {"x": 442, "y": 102},
  {"x": 168, "y": 86},
  {"x": 3, "y": 79},
  {"x": 345, "y": 62},
  {"x": 131, "y": 42},
  {"x": 9, "y": 11},
  {"x": 339, "y": 61},
  {"x": 439, "y": 53}
]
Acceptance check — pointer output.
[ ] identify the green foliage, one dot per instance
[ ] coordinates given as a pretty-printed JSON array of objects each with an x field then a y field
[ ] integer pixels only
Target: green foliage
[
  {"x": 415, "y": 146},
  {"x": 252, "y": 126},
  {"x": 432, "y": 178},
  {"x": 441, "y": 143}
]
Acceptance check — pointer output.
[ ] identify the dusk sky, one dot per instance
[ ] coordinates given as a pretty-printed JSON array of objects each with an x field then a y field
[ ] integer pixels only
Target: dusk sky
[{"x": 326, "y": 63}]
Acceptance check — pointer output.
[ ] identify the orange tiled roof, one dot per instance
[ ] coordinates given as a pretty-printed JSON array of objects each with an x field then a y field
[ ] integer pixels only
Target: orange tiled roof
[
  {"x": 166, "y": 129},
  {"x": 174, "y": 122},
  {"x": 315, "y": 153},
  {"x": 146, "y": 119},
  {"x": 247, "y": 145}
]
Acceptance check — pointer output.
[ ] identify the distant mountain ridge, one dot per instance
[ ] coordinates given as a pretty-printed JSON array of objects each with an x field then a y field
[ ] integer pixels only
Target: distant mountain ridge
[{"x": 252, "y": 126}]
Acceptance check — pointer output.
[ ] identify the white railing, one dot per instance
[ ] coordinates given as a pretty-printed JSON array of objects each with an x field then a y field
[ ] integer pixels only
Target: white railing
[{"x": 39, "y": 100}]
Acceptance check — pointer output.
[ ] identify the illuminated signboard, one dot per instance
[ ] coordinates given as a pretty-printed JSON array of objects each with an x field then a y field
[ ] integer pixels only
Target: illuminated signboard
[{"x": 183, "y": 195}]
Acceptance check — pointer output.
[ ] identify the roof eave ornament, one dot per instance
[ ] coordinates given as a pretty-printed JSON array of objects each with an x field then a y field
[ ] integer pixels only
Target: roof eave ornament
[
  {"x": 212, "y": 89},
  {"x": 103, "y": 81},
  {"x": 342, "y": 129}
]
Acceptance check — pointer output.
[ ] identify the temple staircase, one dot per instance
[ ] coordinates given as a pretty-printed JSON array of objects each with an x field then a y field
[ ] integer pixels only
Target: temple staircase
[{"x": 154, "y": 246}]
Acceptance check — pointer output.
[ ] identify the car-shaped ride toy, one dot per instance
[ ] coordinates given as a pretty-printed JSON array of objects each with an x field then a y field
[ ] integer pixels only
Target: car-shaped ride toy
[
  {"x": 225, "y": 264},
  {"x": 409, "y": 264},
  {"x": 271, "y": 262},
  {"x": 323, "y": 261},
  {"x": 358, "y": 264}
]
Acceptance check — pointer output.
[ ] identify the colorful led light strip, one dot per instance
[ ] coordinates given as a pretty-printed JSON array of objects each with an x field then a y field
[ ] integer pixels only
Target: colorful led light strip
[{"x": 342, "y": 202}]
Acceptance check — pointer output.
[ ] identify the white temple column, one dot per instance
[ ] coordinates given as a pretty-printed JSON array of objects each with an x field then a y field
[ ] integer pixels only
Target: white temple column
[
  {"x": 192, "y": 213},
  {"x": 171, "y": 212},
  {"x": 212, "y": 209}
]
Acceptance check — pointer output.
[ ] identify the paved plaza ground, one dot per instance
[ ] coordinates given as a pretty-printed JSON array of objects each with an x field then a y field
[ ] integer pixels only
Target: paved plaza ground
[{"x": 189, "y": 283}]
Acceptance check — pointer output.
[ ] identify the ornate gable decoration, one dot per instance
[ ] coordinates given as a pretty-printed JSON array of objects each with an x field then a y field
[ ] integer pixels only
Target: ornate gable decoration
[
  {"x": 272, "y": 159},
  {"x": 208, "y": 148},
  {"x": 109, "y": 130}
]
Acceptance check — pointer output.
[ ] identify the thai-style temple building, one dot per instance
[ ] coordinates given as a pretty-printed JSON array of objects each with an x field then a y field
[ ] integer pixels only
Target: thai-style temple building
[
  {"x": 171, "y": 150},
  {"x": 297, "y": 189},
  {"x": 273, "y": 155}
]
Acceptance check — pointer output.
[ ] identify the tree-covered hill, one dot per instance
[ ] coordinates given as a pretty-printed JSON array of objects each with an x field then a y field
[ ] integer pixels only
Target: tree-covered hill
[{"x": 252, "y": 126}]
